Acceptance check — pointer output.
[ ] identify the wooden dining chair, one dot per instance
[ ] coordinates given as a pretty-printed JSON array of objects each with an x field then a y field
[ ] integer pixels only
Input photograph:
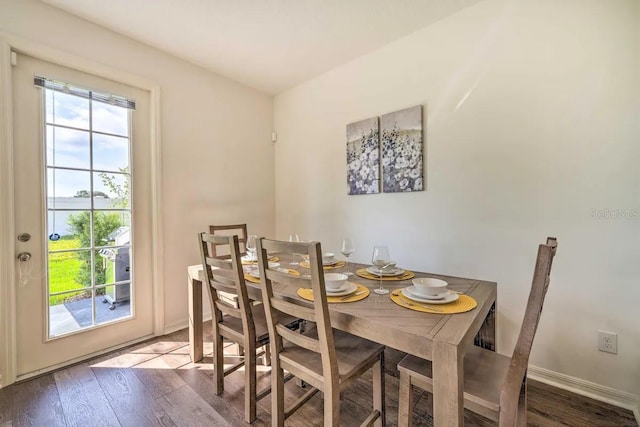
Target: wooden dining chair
[
  {"x": 244, "y": 324},
  {"x": 495, "y": 386},
  {"x": 229, "y": 230},
  {"x": 325, "y": 359}
]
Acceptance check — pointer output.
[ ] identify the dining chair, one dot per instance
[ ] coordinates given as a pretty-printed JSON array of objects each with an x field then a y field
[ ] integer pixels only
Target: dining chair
[
  {"x": 244, "y": 324},
  {"x": 228, "y": 230},
  {"x": 495, "y": 386},
  {"x": 326, "y": 359}
]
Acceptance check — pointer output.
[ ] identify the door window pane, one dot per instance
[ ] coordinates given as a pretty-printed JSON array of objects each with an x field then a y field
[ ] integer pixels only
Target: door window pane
[
  {"x": 110, "y": 153},
  {"x": 67, "y": 110},
  {"x": 67, "y": 148},
  {"x": 113, "y": 265},
  {"x": 66, "y": 225},
  {"x": 68, "y": 271},
  {"x": 68, "y": 189},
  {"x": 111, "y": 190},
  {"x": 110, "y": 119}
]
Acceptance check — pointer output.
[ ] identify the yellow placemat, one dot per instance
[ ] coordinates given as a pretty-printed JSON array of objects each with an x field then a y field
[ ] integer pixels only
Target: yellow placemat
[
  {"x": 271, "y": 259},
  {"x": 366, "y": 275},
  {"x": 355, "y": 296},
  {"x": 252, "y": 279},
  {"x": 463, "y": 304},
  {"x": 339, "y": 264}
]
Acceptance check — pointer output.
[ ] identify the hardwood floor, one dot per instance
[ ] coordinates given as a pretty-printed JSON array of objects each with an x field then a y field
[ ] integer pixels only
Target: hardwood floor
[{"x": 155, "y": 384}]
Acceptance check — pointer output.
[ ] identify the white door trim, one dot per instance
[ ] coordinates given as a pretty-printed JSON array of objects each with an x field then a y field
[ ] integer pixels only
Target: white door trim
[{"x": 9, "y": 42}]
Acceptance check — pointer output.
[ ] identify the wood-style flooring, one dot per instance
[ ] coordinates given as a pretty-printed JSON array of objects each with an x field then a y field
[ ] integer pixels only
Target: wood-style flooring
[{"x": 155, "y": 384}]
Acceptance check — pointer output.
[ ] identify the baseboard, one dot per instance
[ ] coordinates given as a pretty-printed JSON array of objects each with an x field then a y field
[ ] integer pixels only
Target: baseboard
[
  {"x": 183, "y": 324},
  {"x": 585, "y": 388}
]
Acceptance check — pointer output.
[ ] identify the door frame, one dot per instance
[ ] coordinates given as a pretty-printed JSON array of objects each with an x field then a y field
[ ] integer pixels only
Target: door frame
[{"x": 9, "y": 43}]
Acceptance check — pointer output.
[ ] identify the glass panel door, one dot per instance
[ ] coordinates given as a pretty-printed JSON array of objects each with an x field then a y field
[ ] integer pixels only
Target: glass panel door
[{"x": 89, "y": 212}]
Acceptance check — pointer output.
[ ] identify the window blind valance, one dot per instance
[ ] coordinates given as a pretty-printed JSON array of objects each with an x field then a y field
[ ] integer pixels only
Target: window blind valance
[{"x": 63, "y": 87}]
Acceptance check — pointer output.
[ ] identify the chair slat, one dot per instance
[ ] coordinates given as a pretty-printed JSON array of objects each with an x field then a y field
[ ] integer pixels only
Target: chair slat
[
  {"x": 298, "y": 339},
  {"x": 228, "y": 310},
  {"x": 222, "y": 263},
  {"x": 294, "y": 310}
]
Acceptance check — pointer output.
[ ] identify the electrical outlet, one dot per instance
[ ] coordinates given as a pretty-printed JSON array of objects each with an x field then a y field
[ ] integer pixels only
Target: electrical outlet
[{"x": 608, "y": 342}]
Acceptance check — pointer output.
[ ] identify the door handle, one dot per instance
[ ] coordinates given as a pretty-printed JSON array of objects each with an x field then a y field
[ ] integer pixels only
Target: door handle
[{"x": 24, "y": 256}]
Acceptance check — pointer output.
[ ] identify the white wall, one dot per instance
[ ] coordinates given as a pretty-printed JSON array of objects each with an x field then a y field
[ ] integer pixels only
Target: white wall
[
  {"x": 531, "y": 122},
  {"x": 216, "y": 136}
]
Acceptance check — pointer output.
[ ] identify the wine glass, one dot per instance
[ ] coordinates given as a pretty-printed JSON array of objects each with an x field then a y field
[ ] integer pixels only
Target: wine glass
[
  {"x": 251, "y": 247},
  {"x": 381, "y": 260},
  {"x": 347, "y": 248},
  {"x": 294, "y": 238}
]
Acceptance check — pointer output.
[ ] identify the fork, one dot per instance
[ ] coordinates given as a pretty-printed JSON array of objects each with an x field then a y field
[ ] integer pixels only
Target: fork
[{"x": 344, "y": 298}]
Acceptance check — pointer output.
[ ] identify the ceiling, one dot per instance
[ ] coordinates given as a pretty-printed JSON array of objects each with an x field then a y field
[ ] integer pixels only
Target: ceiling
[{"x": 270, "y": 45}]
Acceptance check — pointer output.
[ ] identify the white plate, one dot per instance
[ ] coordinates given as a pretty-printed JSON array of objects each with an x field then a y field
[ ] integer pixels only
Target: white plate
[
  {"x": 447, "y": 299},
  {"x": 332, "y": 262},
  {"x": 253, "y": 271},
  {"x": 376, "y": 272},
  {"x": 345, "y": 290},
  {"x": 412, "y": 289}
]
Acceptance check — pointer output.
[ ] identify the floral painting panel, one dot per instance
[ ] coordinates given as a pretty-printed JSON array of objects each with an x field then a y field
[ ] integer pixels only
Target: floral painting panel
[
  {"x": 401, "y": 140},
  {"x": 363, "y": 157}
]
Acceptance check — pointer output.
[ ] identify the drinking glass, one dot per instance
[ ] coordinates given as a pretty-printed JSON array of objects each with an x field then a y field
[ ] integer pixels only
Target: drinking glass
[
  {"x": 381, "y": 259},
  {"x": 251, "y": 247},
  {"x": 347, "y": 248},
  {"x": 294, "y": 238}
]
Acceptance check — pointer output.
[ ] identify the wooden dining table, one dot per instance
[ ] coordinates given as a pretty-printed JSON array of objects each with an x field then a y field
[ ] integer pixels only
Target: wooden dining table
[{"x": 442, "y": 338}]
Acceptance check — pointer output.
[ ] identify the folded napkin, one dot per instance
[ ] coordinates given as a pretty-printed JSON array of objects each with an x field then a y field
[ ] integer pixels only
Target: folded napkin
[
  {"x": 366, "y": 275},
  {"x": 359, "y": 294}
]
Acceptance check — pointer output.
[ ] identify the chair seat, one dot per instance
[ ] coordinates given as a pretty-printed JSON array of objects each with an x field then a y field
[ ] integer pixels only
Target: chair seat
[
  {"x": 484, "y": 375},
  {"x": 260, "y": 321},
  {"x": 353, "y": 354}
]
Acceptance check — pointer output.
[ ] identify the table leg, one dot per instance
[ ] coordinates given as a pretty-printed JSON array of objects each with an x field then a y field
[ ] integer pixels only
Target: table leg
[
  {"x": 195, "y": 320},
  {"x": 448, "y": 385}
]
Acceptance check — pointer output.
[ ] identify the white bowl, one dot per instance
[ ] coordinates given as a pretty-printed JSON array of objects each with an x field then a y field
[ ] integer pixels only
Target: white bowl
[
  {"x": 428, "y": 286},
  {"x": 334, "y": 281},
  {"x": 328, "y": 257}
]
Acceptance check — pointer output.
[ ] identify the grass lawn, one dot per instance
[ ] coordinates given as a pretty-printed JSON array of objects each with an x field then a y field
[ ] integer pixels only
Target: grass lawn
[{"x": 63, "y": 269}]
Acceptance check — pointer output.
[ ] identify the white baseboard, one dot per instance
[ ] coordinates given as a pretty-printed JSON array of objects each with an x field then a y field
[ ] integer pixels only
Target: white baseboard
[
  {"x": 182, "y": 324},
  {"x": 585, "y": 388}
]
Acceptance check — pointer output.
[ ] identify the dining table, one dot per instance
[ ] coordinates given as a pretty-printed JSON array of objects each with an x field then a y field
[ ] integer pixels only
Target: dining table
[{"x": 441, "y": 338}]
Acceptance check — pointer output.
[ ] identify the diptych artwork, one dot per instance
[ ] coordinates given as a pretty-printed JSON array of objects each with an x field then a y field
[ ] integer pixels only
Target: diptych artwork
[
  {"x": 391, "y": 148},
  {"x": 363, "y": 157},
  {"x": 401, "y": 145}
]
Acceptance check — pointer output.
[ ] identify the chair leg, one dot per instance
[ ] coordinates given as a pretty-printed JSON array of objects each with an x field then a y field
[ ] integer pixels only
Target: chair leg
[
  {"x": 277, "y": 393},
  {"x": 218, "y": 363},
  {"x": 405, "y": 404},
  {"x": 331, "y": 406},
  {"x": 378, "y": 391},
  {"x": 521, "y": 421},
  {"x": 250, "y": 384},
  {"x": 266, "y": 359}
]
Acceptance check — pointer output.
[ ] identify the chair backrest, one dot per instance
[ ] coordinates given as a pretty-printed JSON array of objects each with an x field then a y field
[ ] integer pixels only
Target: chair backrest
[
  {"x": 229, "y": 230},
  {"x": 316, "y": 311},
  {"x": 520, "y": 357},
  {"x": 226, "y": 275}
]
